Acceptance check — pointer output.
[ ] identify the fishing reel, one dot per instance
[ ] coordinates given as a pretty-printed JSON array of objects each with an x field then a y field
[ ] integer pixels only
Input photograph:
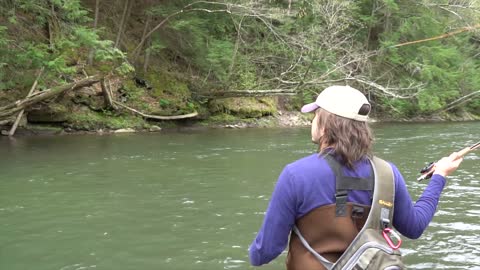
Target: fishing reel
[
  {"x": 427, "y": 171},
  {"x": 427, "y": 168}
]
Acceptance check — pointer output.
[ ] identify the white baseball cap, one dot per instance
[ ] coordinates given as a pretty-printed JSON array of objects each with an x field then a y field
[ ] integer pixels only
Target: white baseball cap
[{"x": 343, "y": 101}]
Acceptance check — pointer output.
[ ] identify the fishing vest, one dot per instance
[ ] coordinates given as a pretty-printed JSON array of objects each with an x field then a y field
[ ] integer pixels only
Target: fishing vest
[{"x": 345, "y": 235}]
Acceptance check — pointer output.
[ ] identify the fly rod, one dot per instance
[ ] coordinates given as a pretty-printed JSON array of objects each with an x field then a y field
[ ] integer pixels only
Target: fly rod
[{"x": 427, "y": 172}]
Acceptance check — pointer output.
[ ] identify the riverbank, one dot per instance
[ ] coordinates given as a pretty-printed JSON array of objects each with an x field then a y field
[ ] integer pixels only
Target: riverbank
[{"x": 281, "y": 119}]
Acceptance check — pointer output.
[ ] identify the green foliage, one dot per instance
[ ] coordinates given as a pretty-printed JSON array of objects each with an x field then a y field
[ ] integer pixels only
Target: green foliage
[
  {"x": 72, "y": 11},
  {"x": 132, "y": 93},
  {"x": 157, "y": 46},
  {"x": 474, "y": 106},
  {"x": 65, "y": 46},
  {"x": 399, "y": 108},
  {"x": 219, "y": 57},
  {"x": 444, "y": 66},
  {"x": 246, "y": 79},
  {"x": 124, "y": 69},
  {"x": 164, "y": 103}
]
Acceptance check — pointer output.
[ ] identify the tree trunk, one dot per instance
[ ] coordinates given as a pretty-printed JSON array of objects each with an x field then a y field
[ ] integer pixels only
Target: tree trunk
[
  {"x": 148, "y": 44},
  {"x": 125, "y": 15},
  {"x": 136, "y": 53},
  {"x": 107, "y": 95},
  {"x": 237, "y": 45},
  {"x": 50, "y": 25},
  {"x": 95, "y": 25},
  {"x": 148, "y": 52}
]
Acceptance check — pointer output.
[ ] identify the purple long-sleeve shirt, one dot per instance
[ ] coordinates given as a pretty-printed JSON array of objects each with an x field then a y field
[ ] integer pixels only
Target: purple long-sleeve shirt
[{"x": 309, "y": 183}]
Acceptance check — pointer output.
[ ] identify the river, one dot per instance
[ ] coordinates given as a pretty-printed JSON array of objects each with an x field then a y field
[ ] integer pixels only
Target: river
[{"x": 194, "y": 200}]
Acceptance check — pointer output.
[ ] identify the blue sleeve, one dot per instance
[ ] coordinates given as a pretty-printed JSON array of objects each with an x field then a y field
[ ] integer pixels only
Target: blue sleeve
[
  {"x": 412, "y": 219},
  {"x": 273, "y": 236}
]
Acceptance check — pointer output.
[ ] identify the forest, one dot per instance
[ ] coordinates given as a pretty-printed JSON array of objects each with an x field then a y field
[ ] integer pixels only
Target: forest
[{"x": 111, "y": 64}]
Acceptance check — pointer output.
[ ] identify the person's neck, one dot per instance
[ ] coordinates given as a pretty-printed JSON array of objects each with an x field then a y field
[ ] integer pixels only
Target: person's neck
[
  {"x": 327, "y": 150},
  {"x": 326, "y": 147}
]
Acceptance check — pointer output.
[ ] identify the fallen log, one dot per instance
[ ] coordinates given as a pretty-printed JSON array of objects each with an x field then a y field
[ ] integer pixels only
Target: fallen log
[
  {"x": 107, "y": 94},
  {"x": 251, "y": 93},
  {"x": 19, "y": 105},
  {"x": 157, "y": 117}
]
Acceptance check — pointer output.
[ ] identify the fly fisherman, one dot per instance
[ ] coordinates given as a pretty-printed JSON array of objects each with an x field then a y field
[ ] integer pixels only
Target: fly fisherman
[{"x": 306, "y": 196}]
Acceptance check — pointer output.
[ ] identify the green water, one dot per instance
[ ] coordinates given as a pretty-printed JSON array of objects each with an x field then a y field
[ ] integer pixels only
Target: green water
[{"x": 194, "y": 200}]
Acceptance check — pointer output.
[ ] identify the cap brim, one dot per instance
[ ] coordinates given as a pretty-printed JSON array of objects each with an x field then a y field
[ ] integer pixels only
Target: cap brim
[{"x": 309, "y": 107}]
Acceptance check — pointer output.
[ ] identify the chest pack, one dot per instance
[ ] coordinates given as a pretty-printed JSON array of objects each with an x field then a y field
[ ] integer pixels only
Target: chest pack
[{"x": 373, "y": 247}]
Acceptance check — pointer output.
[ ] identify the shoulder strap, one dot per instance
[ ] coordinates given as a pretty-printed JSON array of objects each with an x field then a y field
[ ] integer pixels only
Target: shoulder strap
[
  {"x": 381, "y": 211},
  {"x": 346, "y": 183}
]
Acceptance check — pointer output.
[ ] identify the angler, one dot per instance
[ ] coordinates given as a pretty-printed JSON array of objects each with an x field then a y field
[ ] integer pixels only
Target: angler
[{"x": 339, "y": 208}]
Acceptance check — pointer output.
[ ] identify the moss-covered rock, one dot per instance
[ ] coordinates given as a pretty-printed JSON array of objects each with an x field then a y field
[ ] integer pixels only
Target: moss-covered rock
[
  {"x": 244, "y": 107},
  {"x": 90, "y": 97},
  {"x": 88, "y": 120}
]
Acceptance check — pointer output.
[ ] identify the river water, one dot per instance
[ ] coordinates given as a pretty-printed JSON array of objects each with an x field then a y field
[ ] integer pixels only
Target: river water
[{"x": 194, "y": 200}]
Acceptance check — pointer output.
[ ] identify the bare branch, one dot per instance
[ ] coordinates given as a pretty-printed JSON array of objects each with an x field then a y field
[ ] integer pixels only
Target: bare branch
[
  {"x": 251, "y": 93},
  {"x": 157, "y": 117},
  {"x": 461, "y": 30},
  {"x": 237, "y": 44},
  {"x": 389, "y": 91},
  {"x": 459, "y": 101}
]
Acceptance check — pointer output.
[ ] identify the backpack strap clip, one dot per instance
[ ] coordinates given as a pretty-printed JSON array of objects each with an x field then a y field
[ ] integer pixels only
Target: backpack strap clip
[
  {"x": 341, "y": 203},
  {"x": 344, "y": 184}
]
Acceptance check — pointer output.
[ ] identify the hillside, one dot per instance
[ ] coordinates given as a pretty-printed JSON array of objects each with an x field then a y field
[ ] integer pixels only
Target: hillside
[{"x": 241, "y": 63}]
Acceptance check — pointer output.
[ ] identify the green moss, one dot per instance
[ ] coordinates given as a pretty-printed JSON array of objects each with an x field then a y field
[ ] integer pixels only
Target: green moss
[
  {"x": 89, "y": 120},
  {"x": 132, "y": 92},
  {"x": 58, "y": 108},
  {"x": 244, "y": 107},
  {"x": 223, "y": 118},
  {"x": 170, "y": 93},
  {"x": 166, "y": 84}
]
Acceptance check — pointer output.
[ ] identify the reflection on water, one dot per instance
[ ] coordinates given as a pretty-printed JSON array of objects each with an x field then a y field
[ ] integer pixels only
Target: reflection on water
[{"x": 195, "y": 200}]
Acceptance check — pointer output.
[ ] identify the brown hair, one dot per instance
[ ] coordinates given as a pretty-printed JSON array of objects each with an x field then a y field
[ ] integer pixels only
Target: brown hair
[{"x": 351, "y": 140}]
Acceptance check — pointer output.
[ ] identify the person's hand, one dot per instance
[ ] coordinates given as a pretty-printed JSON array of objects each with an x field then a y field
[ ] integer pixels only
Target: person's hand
[{"x": 448, "y": 165}]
